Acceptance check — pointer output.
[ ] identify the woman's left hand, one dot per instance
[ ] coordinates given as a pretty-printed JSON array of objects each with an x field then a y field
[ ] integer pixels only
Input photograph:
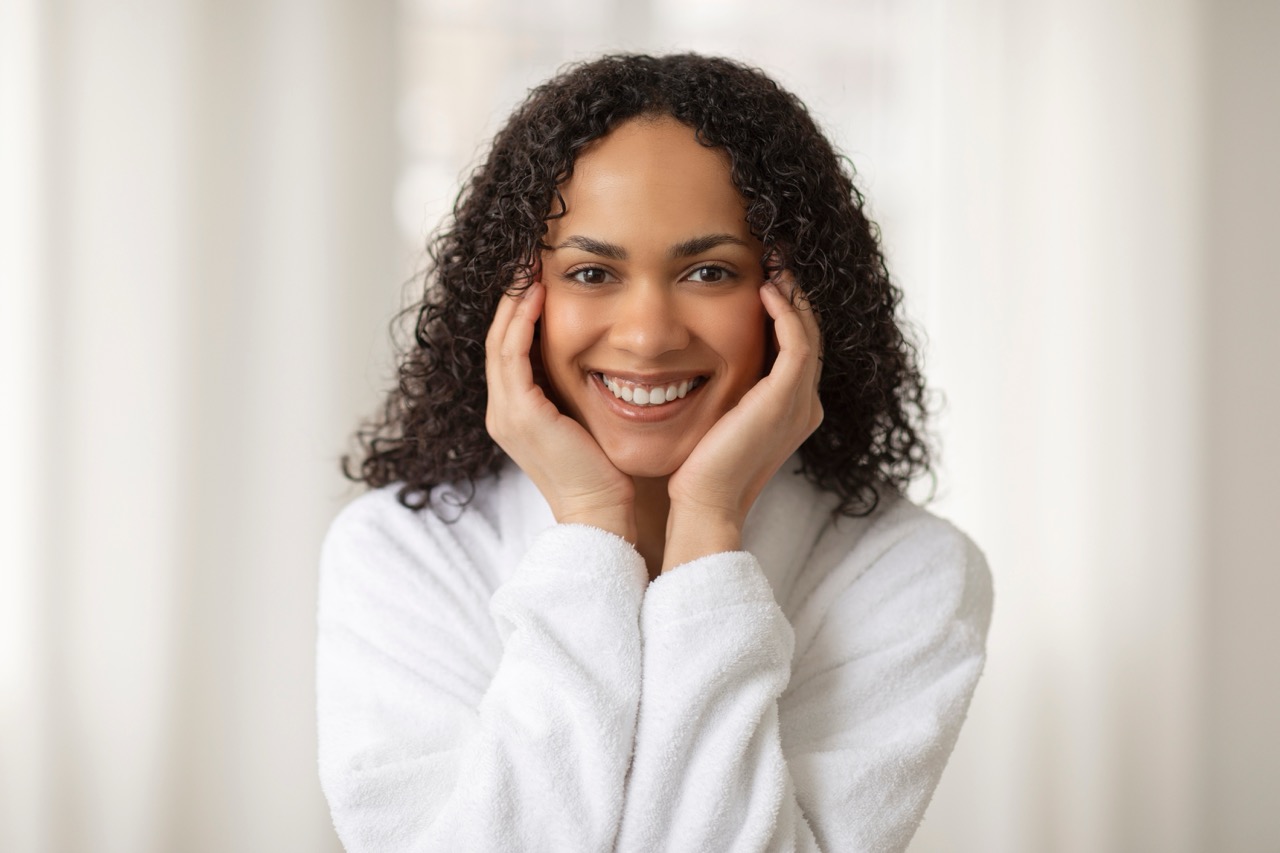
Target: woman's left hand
[{"x": 715, "y": 488}]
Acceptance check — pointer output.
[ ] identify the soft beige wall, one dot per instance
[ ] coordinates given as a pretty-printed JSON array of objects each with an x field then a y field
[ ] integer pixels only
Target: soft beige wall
[
  {"x": 1241, "y": 305},
  {"x": 1065, "y": 329},
  {"x": 209, "y": 260},
  {"x": 292, "y": 278}
]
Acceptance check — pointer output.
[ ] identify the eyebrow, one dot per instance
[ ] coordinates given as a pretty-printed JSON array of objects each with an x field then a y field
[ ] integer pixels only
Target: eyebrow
[
  {"x": 595, "y": 247},
  {"x": 706, "y": 243},
  {"x": 685, "y": 249}
]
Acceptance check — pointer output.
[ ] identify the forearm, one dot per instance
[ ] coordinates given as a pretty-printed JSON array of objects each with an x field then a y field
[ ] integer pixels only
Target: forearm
[
  {"x": 442, "y": 747},
  {"x": 708, "y": 771}
]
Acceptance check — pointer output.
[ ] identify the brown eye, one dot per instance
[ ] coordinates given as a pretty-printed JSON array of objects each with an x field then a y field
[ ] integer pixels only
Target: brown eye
[
  {"x": 709, "y": 275},
  {"x": 590, "y": 275}
]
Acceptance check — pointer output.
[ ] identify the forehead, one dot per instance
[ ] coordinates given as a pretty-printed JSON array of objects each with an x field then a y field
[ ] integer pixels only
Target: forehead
[{"x": 650, "y": 179}]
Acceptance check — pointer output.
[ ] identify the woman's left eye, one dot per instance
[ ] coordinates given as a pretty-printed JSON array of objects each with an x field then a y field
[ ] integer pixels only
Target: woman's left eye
[{"x": 709, "y": 275}]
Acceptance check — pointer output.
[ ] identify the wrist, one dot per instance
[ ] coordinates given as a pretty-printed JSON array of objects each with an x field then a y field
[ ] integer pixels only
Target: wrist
[
  {"x": 697, "y": 531},
  {"x": 617, "y": 519}
]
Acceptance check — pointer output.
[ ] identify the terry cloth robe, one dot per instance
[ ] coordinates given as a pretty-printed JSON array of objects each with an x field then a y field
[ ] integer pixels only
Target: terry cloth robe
[{"x": 505, "y": 683}]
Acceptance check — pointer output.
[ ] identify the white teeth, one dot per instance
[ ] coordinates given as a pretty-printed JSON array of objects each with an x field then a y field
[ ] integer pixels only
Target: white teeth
[{"x": 649, "y": 396}]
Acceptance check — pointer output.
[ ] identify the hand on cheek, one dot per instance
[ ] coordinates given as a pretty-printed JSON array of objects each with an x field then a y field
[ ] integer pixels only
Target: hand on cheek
[
  {"x": 715, "y": 488},
  {"x": 563, "y": 460}
]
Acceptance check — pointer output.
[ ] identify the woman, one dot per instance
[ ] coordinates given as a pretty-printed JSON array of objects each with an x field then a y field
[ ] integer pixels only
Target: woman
[{"x": 637, "y": 572}]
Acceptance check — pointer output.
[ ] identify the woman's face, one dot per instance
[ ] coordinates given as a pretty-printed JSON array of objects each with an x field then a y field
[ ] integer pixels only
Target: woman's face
[{"x": 653, "y": 292}]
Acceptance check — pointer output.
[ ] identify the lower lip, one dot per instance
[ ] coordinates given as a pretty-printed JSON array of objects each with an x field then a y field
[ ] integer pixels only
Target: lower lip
[{"x": 644, "y": 414}]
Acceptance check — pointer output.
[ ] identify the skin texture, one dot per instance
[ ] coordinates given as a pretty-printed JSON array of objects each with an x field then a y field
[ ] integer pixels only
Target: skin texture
[{"x": 626, "y": 290}]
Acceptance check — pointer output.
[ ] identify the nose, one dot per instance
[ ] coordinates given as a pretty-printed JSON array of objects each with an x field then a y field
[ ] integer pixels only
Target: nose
[{"x": 648, "y": 321}]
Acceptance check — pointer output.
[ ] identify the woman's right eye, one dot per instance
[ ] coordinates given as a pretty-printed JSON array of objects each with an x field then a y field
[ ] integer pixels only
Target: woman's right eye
[{"x": 589, "y": 275}]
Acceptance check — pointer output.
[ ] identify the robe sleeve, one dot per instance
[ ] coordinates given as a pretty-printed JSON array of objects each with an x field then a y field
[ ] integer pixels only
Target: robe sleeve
[
  {"x": 748, "y": 740},
  {"x": 453, "y": 716}
]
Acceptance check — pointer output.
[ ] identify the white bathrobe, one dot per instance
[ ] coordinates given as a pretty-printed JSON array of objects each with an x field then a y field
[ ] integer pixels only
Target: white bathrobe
[{"x": 504, "y": 683}]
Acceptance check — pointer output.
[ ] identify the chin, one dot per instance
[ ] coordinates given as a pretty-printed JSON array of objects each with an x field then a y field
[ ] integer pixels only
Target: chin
[{"x": 636, "y": 462}]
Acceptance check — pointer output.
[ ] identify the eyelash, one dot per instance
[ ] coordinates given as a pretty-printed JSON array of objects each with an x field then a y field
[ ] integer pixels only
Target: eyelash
[
  {"x": 572, "y": 275},
  {"x": 726, "y": 274}
]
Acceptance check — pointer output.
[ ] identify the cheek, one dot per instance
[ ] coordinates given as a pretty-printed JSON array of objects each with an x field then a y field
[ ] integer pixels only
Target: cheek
[
  {"x": 739, "y": 330},
  {"x": 566, "y": 329}
]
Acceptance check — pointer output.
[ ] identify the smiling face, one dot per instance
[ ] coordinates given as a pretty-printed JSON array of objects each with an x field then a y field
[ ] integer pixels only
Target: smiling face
[{"x": 653, "y": 326}]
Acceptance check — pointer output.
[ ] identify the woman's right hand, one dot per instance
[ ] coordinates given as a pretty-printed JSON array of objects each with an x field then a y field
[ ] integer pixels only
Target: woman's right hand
[{"x": 556, "y": 452}]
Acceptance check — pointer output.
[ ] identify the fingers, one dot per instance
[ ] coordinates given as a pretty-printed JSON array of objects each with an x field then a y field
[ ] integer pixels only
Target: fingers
[
  {"x": 513, "y": 309},
  {"x": 727, "y": 469},
  {"x": 799, "y": 337},
  {"x": 519, "y": 336},
  {"x": 558, "y": 454},
  {"x": 511, "y": 336}
]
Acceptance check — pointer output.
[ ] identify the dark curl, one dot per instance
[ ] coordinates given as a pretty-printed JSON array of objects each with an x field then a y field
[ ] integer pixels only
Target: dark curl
[{"x": 801, "y": 204}]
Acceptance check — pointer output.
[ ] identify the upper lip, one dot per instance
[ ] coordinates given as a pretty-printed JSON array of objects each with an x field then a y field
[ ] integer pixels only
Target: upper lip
[{"x": 665, "y": 377}]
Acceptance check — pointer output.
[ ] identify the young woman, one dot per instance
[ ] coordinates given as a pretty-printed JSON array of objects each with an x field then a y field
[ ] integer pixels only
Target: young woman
[{"x": 637, "y": 572}]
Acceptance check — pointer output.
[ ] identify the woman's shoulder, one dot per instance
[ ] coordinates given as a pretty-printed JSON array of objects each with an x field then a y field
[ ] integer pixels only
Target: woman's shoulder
[
  {"x": 382, "y": 514},
  {"x": 480, "y": 524},
  {"x": 899, "y": 526},
  {"x": 900, "y": 552}
]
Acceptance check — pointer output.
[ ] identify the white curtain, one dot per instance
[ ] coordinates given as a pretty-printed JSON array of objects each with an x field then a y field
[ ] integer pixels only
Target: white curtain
[
  {"x": 206, "y": 255},
  {"x": 209, "y": 207},
  {"x": 1064, "y": 277}
]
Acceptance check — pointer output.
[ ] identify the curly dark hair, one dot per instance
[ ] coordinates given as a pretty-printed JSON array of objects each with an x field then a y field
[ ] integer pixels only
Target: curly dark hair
[{"x": 801, "y": 203}]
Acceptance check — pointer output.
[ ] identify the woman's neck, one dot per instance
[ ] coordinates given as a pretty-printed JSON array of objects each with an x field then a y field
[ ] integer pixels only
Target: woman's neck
[{"x": 652, "y": 505}]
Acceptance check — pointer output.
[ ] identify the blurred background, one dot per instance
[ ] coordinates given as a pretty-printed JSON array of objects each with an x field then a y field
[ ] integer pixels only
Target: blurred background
[{"x": 209, "y": 210}]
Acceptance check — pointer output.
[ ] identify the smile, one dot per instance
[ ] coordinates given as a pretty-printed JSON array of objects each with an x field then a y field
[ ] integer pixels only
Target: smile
[{"x": 638, "y": 394}]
